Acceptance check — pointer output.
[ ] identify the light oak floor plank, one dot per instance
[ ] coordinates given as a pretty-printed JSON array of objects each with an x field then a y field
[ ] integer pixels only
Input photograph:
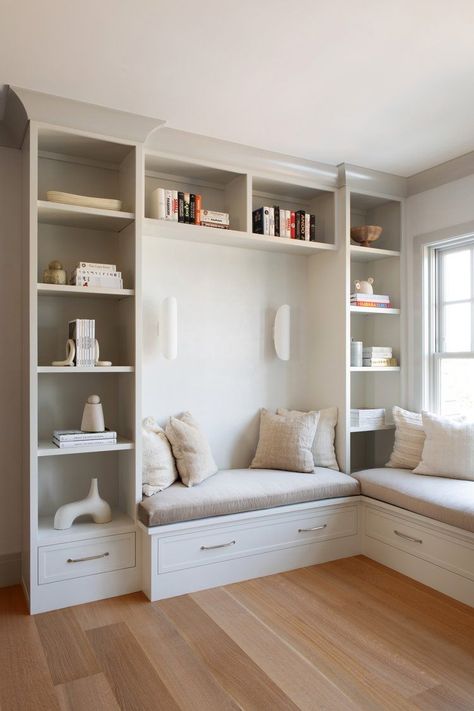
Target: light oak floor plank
[{"x": 90, "y": 692}]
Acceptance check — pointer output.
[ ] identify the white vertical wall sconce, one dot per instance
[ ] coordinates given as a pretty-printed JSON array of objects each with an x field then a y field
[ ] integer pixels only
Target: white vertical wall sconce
[
  {"x": 281, "y": 332},
  {"x": 168, "y": 328}
]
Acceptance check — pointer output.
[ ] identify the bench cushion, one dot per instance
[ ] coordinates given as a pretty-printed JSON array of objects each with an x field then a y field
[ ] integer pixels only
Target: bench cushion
[
  {"x": 237, "y": 490},
  {"x": 450, "y": 501}
]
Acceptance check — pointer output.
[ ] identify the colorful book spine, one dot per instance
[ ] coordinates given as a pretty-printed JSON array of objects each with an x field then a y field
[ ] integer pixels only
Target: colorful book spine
[
  {"x": 258, "y": 222},
  {"x": 192, "y": 209},
  {"x": 186, "y": 207},
  {"x": 306, "y": 227},
  {"x": 198, "y": 208},
  {"x": 372, "y": 304},
  {"x": 292, "y": 224},
  {"x": 174, "y": 214},
  {"x": 276, "y": 214},
  {"x": 180, "y": 207}
]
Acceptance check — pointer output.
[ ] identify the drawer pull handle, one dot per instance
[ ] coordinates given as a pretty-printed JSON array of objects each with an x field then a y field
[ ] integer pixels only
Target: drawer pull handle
[
  {"x": 91, "y": 557},
  {"x": 220, "y": 545},
  {"x": 409, "y": 538},
  {"x": 315, "y": 528}
]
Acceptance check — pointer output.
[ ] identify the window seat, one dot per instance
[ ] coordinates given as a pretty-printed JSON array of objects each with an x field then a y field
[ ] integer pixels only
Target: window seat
[{"x": 233, "y": 491}]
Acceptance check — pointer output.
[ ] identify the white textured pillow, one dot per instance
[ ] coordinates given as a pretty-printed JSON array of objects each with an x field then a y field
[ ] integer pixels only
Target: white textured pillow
[
  {"x": 159, "y": 468},
  {"x": 191, "y": 449},
  {"x": 409, "y": 439},
  {"x": 285, "y": 442},
  {"x": 449, "y": 447},
  {"x": 323, "y": 446}
]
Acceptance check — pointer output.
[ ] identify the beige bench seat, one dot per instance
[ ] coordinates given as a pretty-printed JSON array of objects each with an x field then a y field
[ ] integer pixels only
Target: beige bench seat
[
  {"x": 450, "y": 501},
  {"x": 233, "y": 491}
]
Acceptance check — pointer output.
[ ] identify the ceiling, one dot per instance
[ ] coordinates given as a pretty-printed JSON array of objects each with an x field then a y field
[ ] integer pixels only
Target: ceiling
[{"x": 386, "y": 84}]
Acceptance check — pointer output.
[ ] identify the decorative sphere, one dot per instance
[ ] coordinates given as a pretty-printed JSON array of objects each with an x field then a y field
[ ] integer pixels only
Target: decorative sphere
[{"x": 93, "y": 399}]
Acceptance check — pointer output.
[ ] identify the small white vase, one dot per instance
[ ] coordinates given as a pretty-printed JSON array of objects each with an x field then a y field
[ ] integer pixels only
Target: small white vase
[
  {"x": 92, "y": 505},
  {"x": 93, "y": 416}
]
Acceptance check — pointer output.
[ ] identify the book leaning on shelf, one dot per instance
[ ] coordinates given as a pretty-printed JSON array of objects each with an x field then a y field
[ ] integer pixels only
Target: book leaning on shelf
[
  {"x": 82, "y": 332},
  {"x": 278, "y": 222}
]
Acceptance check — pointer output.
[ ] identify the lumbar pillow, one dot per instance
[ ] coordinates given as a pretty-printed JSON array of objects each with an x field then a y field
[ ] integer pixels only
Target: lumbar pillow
[
  {"x": 159, "y": 468},
  {"x": 409, "y": 439},
  {"x": 285, "y": 441},
  {"x": 449, "y": 447},
  {"x": 191, "y": 449},
  {"x": 323, "y": 446}
]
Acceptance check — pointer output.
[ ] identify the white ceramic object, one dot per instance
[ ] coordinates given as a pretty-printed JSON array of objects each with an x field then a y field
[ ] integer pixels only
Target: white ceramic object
[
  {"x": 357, "y": 348},
  {"x": 92, "y": 505},
  {"x": 281, "y": 332},
  {"x": 93, "y": 415},
  {"x": 100, "y": 363},
  {"x": 168, "y": 328},
  {"x": 364, "y": 287},
  {"x": 83, "y": 200},
  {"x": 70, "y": 355}
]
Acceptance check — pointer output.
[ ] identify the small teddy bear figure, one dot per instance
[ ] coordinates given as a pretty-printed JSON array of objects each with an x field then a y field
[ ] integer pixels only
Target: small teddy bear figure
[{"x": 364, "y": 287}]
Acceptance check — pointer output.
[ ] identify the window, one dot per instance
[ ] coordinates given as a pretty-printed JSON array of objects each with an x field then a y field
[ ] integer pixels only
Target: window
[{"x": 452, "y": 328}]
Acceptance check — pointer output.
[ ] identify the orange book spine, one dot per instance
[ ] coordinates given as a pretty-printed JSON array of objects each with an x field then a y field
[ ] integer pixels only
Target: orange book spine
[{"x": 198, "y": 209}]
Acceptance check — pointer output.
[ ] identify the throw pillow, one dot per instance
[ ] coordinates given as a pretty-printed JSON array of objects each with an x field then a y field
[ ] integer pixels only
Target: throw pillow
[
  {"x": 323, "y": 446},
  {"x": 285, "y": 442},
  {"x": 449, "y": 447},
  {"x": 409, "y": 439},
  {"x": 159, "y": 468},
  {"x": 191, "y": 449}
]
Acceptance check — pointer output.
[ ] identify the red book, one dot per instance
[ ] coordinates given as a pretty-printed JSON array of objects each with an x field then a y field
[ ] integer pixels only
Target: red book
[
  {"x": 197, "y": 220},
  {"x": 293, "y": 225}
]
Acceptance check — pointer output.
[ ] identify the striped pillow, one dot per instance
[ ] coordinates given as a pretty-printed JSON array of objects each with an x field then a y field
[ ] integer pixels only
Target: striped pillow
[{"x": 409, "y": 439}]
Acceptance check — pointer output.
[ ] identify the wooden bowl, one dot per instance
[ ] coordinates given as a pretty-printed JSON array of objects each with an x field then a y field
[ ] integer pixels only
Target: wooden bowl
[{"x": 365, "y": 234}]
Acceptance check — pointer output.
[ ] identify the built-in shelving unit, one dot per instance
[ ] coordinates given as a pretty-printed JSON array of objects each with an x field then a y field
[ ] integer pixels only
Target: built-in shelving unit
[{"x": 83, "y": 530}]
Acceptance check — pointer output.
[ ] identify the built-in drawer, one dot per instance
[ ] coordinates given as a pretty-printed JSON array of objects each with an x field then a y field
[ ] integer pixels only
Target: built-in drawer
[
  {"x": 243, "y": 539},
  {"x": 441, "y": 548},
  {"x": 74, "y": 560}
]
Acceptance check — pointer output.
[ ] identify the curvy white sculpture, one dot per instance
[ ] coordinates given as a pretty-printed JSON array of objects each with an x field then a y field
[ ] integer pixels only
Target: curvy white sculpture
[
  {"x": 93, "y": 415},
  {"x": 100, "y": 363},
  {"x": 168, "y": 327},
  {"x": 70, "y": 355},
  {"x": 92, "y": 505},
  {"x": 281, "y": 332}
]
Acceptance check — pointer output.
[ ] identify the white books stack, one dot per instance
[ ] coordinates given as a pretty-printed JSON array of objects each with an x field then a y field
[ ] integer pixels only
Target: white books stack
[
  {"x": 68, "y": 439},
  {"x": 377, "y": 356},
  {"x": 368, "y": 418},
  {"x": 82, "y": 332},
  {"x": 94, "y": 274}
]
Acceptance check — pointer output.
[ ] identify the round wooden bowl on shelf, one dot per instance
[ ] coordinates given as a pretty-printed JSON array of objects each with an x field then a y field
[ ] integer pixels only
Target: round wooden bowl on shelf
[{"x": 365, "y": 234}]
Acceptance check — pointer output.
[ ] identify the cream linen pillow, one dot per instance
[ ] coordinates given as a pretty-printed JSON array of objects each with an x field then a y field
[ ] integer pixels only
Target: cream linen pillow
[
  {"x": 159, "y": 468},
  {"x": 409, "y": 439},
  {"x": 285, "y": 442},
  {"x": 449, "y": 447},
  {"x": 323, "y": 446},
  {"x": 191, "y": 449}
]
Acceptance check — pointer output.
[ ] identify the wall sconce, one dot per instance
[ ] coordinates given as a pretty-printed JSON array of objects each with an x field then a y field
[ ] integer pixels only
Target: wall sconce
[
  {"x": 281, "y": 332},
  {"x": 168, "y": 328}
]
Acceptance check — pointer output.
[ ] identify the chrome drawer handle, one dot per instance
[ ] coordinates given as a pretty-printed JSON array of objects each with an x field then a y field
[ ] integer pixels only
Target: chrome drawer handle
[
  {"x": 316, "y": 528},
  {"x": 220, "y": 545},
  {"x": 409, "y": 538},
  {"x": 91, "y": 557}
]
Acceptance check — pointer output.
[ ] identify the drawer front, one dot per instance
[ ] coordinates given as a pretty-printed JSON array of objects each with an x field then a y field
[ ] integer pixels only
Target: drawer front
[
  {"x": 75, "y": 560},
  {"x": 210, "y": 546},
  {"x": 440, "y": 549}
]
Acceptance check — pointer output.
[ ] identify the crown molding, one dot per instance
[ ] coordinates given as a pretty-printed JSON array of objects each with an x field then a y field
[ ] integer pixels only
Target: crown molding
[{"x": 438, "y": 175}]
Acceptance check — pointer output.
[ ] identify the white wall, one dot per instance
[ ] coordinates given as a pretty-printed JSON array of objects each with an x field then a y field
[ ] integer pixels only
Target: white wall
[
  {"x": 10, "y": 361},
  {"x": 226, "y": 367}
]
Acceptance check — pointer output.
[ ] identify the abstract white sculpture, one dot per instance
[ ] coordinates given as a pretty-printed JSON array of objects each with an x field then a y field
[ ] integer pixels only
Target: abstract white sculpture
[
  {"x": 93, "y": 415},
  {"x": 168, "y": 328},
  {"x": 70, "y": 355},
  {"x": 92, "y": 505}
]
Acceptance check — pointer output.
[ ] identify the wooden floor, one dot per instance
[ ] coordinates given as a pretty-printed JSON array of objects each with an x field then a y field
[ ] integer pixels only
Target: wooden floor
[{"x": 349, "y": 634}]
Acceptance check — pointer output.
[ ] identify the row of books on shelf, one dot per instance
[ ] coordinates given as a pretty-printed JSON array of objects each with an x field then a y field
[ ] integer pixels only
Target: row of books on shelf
[
  {"x": 82, "y": 332},
  {"x": 376, "y": 301},
  {"x": 277, "y": 222},
  {"x": 94, "y": 274},
  {"x": 187, "y": 208},
  {"x": 69, "y": 439}
]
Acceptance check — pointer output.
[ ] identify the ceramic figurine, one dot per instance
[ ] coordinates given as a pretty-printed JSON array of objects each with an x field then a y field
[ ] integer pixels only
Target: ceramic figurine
[
  {"x": 70, "y": 355},
  {"x": 55, "y": 273},
  {"x": 93, "y": 416},
  {"x": 92, "y": 505},
  {"x": 364, "y": 287},
  {"x": 100, "y": 363}
]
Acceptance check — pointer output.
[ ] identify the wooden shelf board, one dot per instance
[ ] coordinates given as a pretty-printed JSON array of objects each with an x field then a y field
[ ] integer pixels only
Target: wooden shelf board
[
  {"x": 83, "y": 291},
  {"x": 382, "y": 369},
  {"x": 75, "y": 371},
  {"x": 55, "y": 213},
  {"x": 374, "y": 310},
  {"x": 48, "y": 535},
  {"x": 371, "y": 428},
  {"x": 48, "y": 449},
  {"x": 231, "y": 238},
  {"x": 368, "y": 254}
]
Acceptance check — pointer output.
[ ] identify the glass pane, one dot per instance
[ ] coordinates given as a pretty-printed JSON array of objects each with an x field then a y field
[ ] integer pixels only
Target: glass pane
[
  {"x": 457, "y": 386},
  {"x": 456, "y": 328},
  {"x": 456, "y": 275}
]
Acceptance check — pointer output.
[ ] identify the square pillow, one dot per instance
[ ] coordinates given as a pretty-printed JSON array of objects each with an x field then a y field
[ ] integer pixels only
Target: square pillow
[
  {"x": 324, "y": 453},
  {"x": 159, "y": 468},
  {"x": 449, "y": 447},
  {"x": 409, "y": 439},
  {"x": 191, "y": 449},
  {"x": 285, "y": 442}
]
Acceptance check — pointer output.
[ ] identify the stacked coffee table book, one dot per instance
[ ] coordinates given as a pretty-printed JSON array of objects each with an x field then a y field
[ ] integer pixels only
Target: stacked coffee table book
[
  {"x": 75, "y": 439},
  {"x": 368, "y": 419}
]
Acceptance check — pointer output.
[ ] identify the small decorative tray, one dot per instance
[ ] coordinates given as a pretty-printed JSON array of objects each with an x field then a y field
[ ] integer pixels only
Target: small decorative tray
[{"x": 83, "y": 200}]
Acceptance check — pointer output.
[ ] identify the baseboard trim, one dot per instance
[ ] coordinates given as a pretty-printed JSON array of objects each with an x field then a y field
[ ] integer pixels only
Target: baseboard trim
[{"x": 10, "y": 569}]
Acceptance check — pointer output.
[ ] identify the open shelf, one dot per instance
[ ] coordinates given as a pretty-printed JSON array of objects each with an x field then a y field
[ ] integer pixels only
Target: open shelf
[
  {"x": 83, "y": 291},
  {"x": 48, "y": 535},
  {"x": 382, "y": 369},
  {"x": 96, "y": 369},
  {"x": 372, "y": 428},
  {"x": 369, "y": 254},
  {"x": 374, "y": 310},
  {"x": 231, "y": 238},
  {"x": 54, "y": 213},
  {"x": 48, "y": 449}
]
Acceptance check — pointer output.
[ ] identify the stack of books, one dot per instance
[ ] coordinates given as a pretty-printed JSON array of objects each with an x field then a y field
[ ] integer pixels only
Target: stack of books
[
  {"x": 376, "y": 301},
  {"x": 277, "y": 222},
  {"x": 82, "y": 332},
  {"x": 377, "y": 357},
  {"x": 65, "y": 439},
  {"x": 368, "y": 418},
  {"x": 94, "y": 274},
  {"x": 183, "y": 207}
]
